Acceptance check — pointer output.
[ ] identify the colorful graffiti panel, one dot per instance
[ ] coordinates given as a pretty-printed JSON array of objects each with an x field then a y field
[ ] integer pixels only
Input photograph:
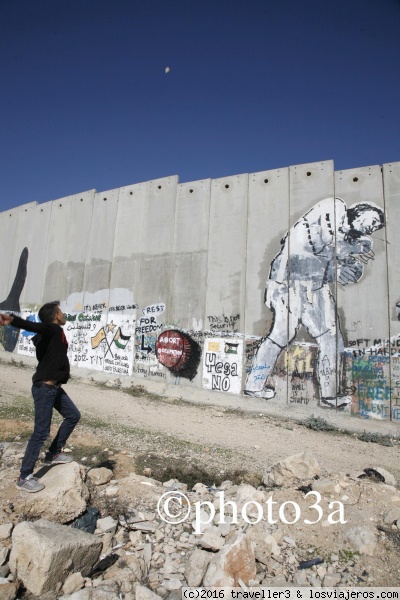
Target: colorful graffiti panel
[
  {"x": 222, "y": 364},
  {"x": 101, "y": 341},
  {"x": 370, "y": 374},
  {"x": 86, "y": 342}
]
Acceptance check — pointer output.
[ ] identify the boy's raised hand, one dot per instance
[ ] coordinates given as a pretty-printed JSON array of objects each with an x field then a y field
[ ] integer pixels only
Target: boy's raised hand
[{"x": 5, "y": 319}]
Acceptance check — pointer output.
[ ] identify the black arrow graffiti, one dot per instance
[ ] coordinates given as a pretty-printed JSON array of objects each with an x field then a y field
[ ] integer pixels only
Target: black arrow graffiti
[
  {"x": 11, "y": 303},
  {"x": 147, "y": 348}
]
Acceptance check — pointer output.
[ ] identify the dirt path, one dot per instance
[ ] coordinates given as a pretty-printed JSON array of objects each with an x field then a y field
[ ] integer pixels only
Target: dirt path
[{"x": 251, "y": 441}]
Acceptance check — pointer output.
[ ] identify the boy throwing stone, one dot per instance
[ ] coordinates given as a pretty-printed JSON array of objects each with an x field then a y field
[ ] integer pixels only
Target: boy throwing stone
[{"x": 52, "y": 371}]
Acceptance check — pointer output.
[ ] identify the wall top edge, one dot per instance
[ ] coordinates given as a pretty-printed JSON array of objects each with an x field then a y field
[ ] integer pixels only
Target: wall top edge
[
  {"x": 230, "y": 177},
  {"x": 391, "y": 164},
  {"x": 359, "y": 170},
  {"x": 72, "y": 196},
  {"x": 175, "y": 179},
  {"x": 19, "y": 208},
  {"x": 195, "y": 183},
  {"x": 319, "y": 163}
]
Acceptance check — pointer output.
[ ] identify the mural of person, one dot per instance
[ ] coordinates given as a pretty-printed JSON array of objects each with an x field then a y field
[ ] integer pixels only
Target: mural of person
[{"x": 329, "y": 243}]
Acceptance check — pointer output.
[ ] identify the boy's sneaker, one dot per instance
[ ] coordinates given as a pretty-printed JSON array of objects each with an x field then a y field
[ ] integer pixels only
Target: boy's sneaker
[
  {"x": 57, "y": 459},
  {"x": 29, "y": 484}
]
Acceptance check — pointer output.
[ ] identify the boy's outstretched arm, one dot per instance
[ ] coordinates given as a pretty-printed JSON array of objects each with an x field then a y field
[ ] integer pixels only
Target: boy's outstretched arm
[{"x": 19, "y": 323}]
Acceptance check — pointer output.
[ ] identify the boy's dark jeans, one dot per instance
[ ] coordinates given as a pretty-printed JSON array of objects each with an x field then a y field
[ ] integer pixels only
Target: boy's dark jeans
[{"x": 46, "y": 397}]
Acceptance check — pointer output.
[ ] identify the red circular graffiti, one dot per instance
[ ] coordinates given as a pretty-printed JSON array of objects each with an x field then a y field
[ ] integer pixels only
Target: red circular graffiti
[{"x": 173, "y": 349}]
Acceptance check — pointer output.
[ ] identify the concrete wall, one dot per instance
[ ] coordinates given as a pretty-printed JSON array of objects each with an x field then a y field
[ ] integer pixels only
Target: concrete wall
[{"x": 167, "y": 281}]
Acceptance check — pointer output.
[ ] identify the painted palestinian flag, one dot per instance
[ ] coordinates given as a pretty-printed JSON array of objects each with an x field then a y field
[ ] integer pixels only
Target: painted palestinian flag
[{"x": 120, "y": 339}]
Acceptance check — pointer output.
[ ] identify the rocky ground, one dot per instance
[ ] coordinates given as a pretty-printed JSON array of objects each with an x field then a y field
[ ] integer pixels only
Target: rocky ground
[{"x": 127, "y": 458}]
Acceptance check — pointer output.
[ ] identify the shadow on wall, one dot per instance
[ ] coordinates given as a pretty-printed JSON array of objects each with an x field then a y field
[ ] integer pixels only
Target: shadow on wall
[{"x": 9, "y": 335}]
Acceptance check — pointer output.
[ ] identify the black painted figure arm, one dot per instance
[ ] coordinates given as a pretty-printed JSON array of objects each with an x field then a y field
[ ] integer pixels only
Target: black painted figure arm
[
  {"x": 11, "y": 303},
  {"x": 9, "y": 335}
]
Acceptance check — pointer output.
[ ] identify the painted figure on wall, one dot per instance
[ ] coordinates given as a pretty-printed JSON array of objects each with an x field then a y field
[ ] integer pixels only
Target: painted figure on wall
[
  {"x": 9, "y": 335},
  {"x": 329, "y": 243}
]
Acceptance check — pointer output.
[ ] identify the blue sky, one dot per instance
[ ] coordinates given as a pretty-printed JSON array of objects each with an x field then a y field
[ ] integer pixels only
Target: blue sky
[{"x": 253, "y": 85}]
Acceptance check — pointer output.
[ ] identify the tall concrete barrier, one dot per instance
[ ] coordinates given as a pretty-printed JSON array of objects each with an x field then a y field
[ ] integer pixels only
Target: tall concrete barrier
[
  {"x": 391, "y": 187},
  {"x": 282, "y": 285}
]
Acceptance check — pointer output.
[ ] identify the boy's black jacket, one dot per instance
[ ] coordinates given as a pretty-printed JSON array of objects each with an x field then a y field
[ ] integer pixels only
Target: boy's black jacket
[{"x": 51, "y": 350}]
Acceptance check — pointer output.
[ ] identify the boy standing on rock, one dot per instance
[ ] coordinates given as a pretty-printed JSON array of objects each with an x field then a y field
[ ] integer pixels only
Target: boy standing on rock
[{"x": 52, "y": 371}]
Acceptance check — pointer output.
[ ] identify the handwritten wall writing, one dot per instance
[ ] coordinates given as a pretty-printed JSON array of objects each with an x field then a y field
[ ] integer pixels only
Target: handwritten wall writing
[
  {"x": 222, "y": 364},
  {"x": 223, "y": 322},
  {"x": 148, "y": 327}
]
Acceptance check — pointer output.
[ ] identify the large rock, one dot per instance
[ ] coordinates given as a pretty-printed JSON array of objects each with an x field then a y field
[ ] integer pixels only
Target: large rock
[
  {"x": 100, "y": 476},
  {"x": 4, "y": 552},
  {"x": 249, "y": 496},
  {"x": 123, "y": 578},
  {"x": 392, "y": 516},
  {"x": 134, "y": 571},
  {"x": 8, "y": 591},
  {"x": 4, "y": 572},
  {"x": 293, "y": 469},
  {"x": 196, "y": 567},
  {"x": 137, "y": 490},
  {"x": 332, "y": 580},
  {"x": 264, "y": 545},
  {"x": 326, "y": 486},
  {"x": 73, "y": 583},
  {"x": 235, "y": 561},
  {"x": 389, "y": 478},
  {"x": 143, "y": 593},
  {"x": 362, "y": 539},
  {"x": 101, "y": 593},
  {"x": 44, "y": 554},
  {"x": 211, "y": 539},
  {"x": 63, "y": 499},
  {"x": 107, "y": 525},
  {"x": 5, "y": 531},
  {"x": 202, "y": 521}
]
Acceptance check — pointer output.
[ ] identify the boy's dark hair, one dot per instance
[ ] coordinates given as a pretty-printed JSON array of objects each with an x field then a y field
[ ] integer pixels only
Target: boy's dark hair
[
  {"x": 48, "y": 311},
  {"x": 362, "y": 207}
]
